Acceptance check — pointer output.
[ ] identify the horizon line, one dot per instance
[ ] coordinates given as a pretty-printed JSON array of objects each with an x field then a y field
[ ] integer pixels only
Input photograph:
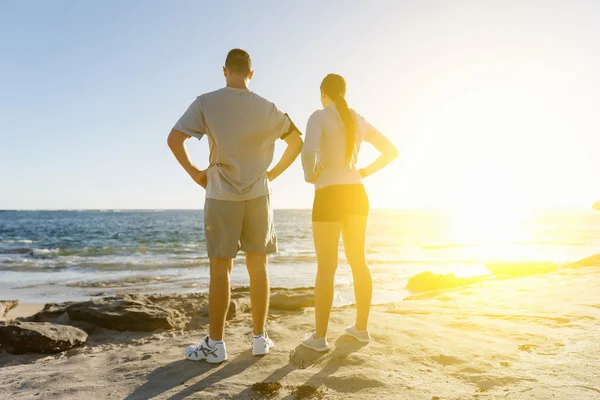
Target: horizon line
[{"x": 278, "y": 209}]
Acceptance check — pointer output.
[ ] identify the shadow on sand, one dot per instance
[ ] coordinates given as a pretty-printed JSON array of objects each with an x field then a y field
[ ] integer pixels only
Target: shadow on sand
[
  {"x": 302, "y": 358},
  {"x": 175, "y": 374}
]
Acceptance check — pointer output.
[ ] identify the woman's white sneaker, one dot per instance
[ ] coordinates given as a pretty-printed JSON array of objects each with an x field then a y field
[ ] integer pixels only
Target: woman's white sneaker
[
  {"x": 361, "y": 336},
  {"x": 213, "y": 355},
  {"x": 261, "y": 344},
  {"x": 315, "y": 344}
]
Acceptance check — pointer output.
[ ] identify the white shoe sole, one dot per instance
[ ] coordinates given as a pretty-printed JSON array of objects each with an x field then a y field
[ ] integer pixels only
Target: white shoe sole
[
  {"x": 215, "y": 361},
  {"x": 263, "y": 352},
  {"x": 205, "y": 359},
  {"x": 259, "y": 353},
  {"x": 358, "y": 338},
  {"x": 319, "y": 349}
]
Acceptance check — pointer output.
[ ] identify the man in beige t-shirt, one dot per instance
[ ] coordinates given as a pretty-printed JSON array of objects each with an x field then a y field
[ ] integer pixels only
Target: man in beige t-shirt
[{"x": 241, "y": 128}]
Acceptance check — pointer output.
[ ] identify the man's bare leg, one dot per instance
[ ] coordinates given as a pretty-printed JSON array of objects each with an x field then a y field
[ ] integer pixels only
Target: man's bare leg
[
  {"x": 219, "y": 296},
  {"x": 259, "y": 290}
]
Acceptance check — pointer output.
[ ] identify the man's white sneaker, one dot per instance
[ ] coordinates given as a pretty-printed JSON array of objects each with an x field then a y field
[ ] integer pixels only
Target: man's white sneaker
[
  {"x": 312, "y": 343},
  {"x": 214, "y": 355},
  {"x": 361, "y": 336},
  {"x": 261, "y": 344}
]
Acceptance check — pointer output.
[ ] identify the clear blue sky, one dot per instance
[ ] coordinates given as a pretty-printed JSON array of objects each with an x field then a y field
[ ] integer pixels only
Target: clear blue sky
[{"x": 479, "y": 98}]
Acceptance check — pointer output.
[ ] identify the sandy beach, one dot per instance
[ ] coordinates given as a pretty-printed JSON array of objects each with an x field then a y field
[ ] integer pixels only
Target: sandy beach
[
  {"x": 24, "y": 311},
  {"x": 534, "y": 337}
]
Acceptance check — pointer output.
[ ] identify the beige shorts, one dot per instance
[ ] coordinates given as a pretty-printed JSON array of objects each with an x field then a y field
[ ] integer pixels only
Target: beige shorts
[{"x": 230, "y": 226}]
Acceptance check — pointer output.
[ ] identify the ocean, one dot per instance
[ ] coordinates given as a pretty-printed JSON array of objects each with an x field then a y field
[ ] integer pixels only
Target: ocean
[{"x": 55, "y": 256}]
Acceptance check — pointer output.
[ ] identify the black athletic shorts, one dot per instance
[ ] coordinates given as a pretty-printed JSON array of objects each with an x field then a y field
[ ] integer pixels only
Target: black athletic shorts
[{"x": 334, "y": 203}]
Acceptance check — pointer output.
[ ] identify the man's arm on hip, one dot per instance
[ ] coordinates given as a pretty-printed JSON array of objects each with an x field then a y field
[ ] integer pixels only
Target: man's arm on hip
[
  {"x": 176, "y": 142},
  {"x": 294, "y": 147}
]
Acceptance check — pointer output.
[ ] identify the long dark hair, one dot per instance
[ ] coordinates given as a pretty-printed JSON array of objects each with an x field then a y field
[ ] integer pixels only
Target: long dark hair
[{"x": 334, "y": 86}]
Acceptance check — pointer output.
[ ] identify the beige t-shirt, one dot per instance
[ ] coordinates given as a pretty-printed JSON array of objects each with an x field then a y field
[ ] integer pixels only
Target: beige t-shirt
[
  {"x": 324, "y": 153},
  {"x": 241, "y": 128}
]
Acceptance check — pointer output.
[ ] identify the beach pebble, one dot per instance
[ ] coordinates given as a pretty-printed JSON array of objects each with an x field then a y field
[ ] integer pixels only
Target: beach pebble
[
  {"x": 292, "y": 300},
  {"x": 237, "y": 307},
  {"x": 40, "y": 337}
]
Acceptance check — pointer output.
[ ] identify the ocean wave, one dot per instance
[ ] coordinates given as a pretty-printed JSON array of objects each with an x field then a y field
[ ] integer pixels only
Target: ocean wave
[
  {"x": 386, "y": 259},
  {"x": 449, "y": 246},
  {"x": 419, "y": 261},
  {"x": 55, "y": 264},
  {"x": 144, "y": 265},
  {"x": 18, "y": 250},
  {"x": 21, "y": 241},
  {"x": 292, "y": 259},
  {"x": 122, "y": 282},
  {"x": 44, "y": 253},
  {"x": 131, "y": 251},
  {"x": 188, "y": 256},
  {"x": 27, "y": 267},
  {"x": 33, "y": 252},
  {"x": 119, "y": 258},
  {"x": 90, "y": 252},
  {"x": 442, "y": 246},
  {"x": 93, "y": 252}
]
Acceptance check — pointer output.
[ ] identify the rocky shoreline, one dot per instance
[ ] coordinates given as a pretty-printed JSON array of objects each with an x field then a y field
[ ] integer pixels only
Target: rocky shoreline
[{"x": 63, "y": 326}]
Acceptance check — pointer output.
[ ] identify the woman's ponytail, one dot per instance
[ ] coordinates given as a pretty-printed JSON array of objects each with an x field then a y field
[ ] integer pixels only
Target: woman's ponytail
[{"x": 334, "y": 86}]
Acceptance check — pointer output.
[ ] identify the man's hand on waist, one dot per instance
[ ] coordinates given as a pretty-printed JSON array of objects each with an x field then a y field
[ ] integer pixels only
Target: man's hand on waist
[{"x": 199, "y": 176}]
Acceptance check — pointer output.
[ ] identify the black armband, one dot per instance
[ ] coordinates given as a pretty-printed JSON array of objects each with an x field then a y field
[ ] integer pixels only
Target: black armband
[{"x": 291, "y": 129}]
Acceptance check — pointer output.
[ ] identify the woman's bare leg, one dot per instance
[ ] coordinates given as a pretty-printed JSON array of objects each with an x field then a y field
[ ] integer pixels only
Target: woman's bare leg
[
  {"x": 326, "y": 237},
  {"x": 353, "y": 232}
]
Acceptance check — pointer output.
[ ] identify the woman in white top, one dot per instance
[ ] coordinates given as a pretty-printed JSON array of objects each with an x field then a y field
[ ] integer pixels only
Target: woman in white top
[{"x": 333, "y": 138}]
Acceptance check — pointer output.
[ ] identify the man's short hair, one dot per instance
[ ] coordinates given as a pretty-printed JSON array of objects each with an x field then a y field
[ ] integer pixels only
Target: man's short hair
[{"x": 238, "y": 62}]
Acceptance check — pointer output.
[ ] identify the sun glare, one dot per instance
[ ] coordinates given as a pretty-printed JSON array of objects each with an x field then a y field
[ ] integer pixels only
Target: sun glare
[
  {"x": 489, "y": 231},
  {"x": 488, "y": 224},
  {"x": 496, "y": 144}
]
